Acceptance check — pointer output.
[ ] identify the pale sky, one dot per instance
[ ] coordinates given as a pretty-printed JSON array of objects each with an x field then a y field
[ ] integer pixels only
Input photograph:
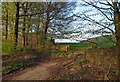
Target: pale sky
[
  {"x": 65, "y": 41},
  {"x": 88, "y": 26}
]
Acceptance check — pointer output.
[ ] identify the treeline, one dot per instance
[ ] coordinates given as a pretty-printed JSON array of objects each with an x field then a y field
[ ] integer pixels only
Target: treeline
[{"x": 27, "y": 23}]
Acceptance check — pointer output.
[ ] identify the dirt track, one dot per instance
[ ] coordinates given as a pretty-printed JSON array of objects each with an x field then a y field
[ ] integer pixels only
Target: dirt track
[
  {"x": 52, "y": 68},
  {"x": 40, "y": 72},
  {"x": 43, "y": 71}
]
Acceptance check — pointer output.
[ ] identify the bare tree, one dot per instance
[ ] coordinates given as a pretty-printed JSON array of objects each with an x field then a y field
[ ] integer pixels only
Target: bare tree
[{"x": 109, "y": 13}]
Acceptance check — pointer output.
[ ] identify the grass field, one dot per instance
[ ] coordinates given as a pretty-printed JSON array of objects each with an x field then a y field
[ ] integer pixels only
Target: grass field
[
  {"x": 102, "y": 42},
  {"x": 77, "y": 46}
]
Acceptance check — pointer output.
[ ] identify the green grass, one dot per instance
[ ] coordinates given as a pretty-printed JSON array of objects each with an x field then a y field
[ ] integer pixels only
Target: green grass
[
  {"x": 14, "y": 65},
  {"x": 81, "y": 46},
  {"x": 8, "y": 47},
  {"x": 77, "y": 46},
  {"x": 60, "y": 53},
  {"x": 103, "y": 42},
  {"x": 17, "y": 65},
  {"x": 65, "y": 77}
]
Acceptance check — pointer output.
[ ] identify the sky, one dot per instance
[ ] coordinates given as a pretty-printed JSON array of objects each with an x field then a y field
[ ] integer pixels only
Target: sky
[
  {"x": 88, "y": 26},
  {"x": 65, "y": 41}
]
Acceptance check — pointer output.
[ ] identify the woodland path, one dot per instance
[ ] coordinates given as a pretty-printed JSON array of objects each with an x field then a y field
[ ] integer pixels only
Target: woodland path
[
  {"x": 51, "y": 68},
  {"x": 45, "y": 70}
]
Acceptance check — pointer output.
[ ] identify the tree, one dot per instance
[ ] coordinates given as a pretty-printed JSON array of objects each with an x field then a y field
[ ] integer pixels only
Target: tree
[
  {"x": 117, "y": 30},
  {"x": 25, "y": 8},
  {"x": 61, "y": 18},
  {"x": 16, "y": 24},
  {"x": 27, "y": 18},
  {"x": 6, "y": 18},
  {"x": 109, "y": 15}
]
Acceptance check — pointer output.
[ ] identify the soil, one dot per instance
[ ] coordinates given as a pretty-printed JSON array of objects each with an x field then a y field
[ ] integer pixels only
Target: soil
[
  {"x": 52, "y": 68},
  {"x": 45, "y": 70}
]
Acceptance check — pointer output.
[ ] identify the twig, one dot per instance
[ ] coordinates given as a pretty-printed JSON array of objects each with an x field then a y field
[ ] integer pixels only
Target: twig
[{"x": 106, "y": 75}]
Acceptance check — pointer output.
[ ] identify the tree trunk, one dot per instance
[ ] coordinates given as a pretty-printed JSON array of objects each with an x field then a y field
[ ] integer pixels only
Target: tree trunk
[
  {"x": 16, "y": 25},
  {"x": 28, "y": 29},
  {"x": 27, "y": 35},
  {"x": 31, "y": 35},
  {"x": 46, "y": 27},
  {"x": 24, "y": 26},
  {"x": 6, "y": 36},
  {"x": 23, "y": 31},
  {"x": 47, "y": 20},
  {"x": 37, "y": 35},
  {"x": 117, "y": 32}
]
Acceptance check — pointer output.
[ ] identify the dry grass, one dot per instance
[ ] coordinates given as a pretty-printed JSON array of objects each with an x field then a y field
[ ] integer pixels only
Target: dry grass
[{"x": 105, "y": 60}]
